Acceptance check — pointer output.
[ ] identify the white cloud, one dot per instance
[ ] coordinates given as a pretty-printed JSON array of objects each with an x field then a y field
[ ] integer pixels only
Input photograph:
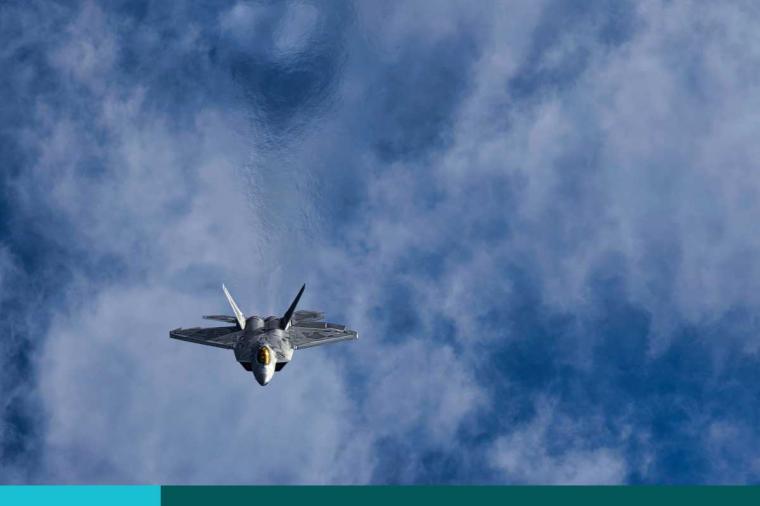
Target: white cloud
[
  {"x": 646, "y": 153},
  {"x": 294, "y": 32},
  {"x": 555, "y": 449}
]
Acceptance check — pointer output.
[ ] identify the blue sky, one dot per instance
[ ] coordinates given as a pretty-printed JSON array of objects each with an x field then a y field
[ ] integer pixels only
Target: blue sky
[{"x": 540, "y": 215}]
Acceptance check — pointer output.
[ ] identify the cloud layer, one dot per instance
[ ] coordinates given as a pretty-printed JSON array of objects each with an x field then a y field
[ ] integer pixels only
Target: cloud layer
[{"x": 538, "y": 215}]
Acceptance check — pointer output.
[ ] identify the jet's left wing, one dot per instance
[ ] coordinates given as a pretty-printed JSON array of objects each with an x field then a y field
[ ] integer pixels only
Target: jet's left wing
[
  {"x": 308, "y": 334},
  {"x": 221, "y": 337}
]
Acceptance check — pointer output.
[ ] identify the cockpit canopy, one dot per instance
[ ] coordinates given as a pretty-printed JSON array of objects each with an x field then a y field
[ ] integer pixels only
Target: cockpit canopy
[{"x": 264, "y": 356}]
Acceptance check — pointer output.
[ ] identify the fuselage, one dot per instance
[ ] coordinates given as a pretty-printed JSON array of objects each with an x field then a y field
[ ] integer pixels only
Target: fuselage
[{"x": 263, "y": 348}]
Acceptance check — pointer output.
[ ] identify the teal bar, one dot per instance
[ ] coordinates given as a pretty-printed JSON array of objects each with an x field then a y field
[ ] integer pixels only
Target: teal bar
[{"x": 87, "y": 495}]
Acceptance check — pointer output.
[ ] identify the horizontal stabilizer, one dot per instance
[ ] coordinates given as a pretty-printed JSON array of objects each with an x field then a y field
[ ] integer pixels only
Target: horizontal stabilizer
[
  {"x": 307, "y": 316},
  {"x": 221, "y": 318}
]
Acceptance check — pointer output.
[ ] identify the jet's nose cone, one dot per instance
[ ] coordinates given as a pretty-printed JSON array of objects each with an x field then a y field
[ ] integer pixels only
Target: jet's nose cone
[
  {"x": 263, "y": 375},
  {"x": 261, "y": 379}
]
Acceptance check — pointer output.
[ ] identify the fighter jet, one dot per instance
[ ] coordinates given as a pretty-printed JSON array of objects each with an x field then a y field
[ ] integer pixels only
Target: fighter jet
[{"x": 265, "y": 345}]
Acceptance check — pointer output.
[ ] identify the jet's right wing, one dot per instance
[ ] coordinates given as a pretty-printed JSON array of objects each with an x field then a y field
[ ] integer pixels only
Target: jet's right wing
[
  {"x": 308, "y": 334},
  {"x": 221, "y": 337}
]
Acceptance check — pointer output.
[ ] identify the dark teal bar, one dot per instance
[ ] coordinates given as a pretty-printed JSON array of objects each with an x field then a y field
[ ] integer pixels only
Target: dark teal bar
[
  {"x": 81, "y": 495},
  {"x": 459, "y": 496}
]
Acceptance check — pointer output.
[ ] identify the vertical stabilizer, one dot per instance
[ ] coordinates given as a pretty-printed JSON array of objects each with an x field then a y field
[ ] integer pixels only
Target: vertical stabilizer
[
  {"x": 238, "y": 313},
  {"x": 285, "y": 320}
]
